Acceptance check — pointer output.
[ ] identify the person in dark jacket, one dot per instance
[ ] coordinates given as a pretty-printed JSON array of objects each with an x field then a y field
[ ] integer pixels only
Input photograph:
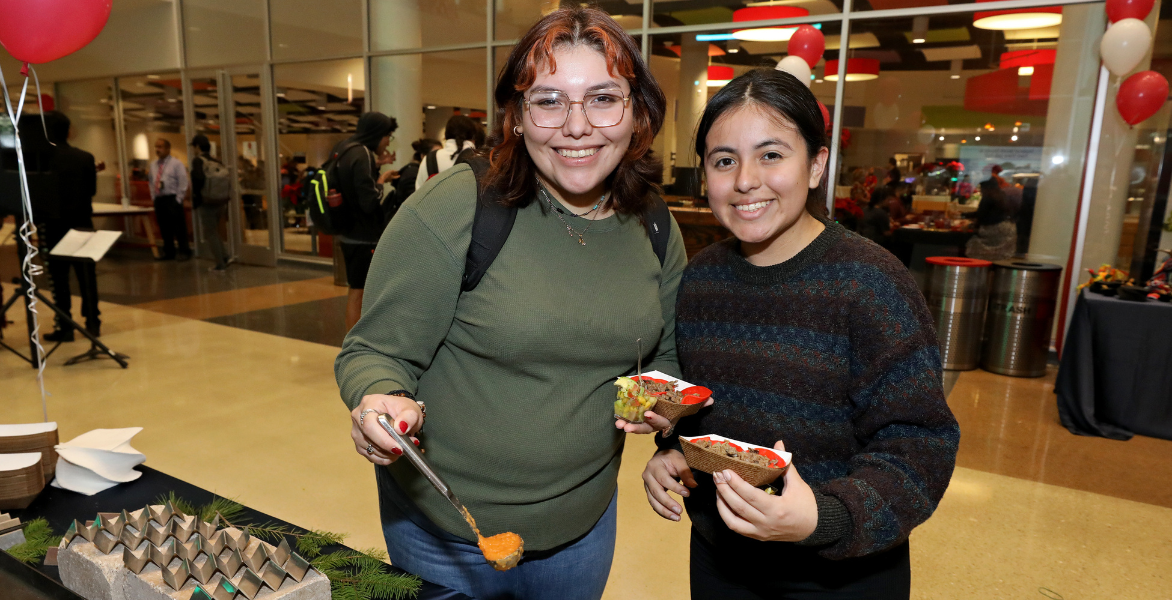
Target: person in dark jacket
[
  {"x": 361, "y": 187},
  {"x": 76, "y": 173},
  {"x": 876, "y": 222},
  {"x": 406, "y": 184},
  {"x": 210, "y": 213},
  {"x": 814, "y": 341}
]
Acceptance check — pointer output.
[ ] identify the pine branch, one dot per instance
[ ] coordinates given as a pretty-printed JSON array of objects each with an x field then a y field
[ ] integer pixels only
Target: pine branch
[{"x": 38, "y": 538}]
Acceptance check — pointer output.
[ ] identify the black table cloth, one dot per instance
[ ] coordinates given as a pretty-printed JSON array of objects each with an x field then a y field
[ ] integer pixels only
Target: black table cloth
[
  {"x": 1115, "y": 379},
  {"x": 60, "y": 507}
]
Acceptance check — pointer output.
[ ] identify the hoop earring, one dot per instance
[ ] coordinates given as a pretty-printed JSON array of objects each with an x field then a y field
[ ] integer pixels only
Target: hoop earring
[{"x": 517, "y": 132}]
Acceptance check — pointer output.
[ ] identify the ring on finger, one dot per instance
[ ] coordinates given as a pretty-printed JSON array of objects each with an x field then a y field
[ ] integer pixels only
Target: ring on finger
[{"x": 370, "y": 448}]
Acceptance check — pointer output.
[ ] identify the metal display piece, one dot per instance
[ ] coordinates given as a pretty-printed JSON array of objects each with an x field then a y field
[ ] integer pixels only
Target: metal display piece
[
  {"x": 273, "y": 575},
  {"x": 250, "y": 584},
  {"x": 230, "y": 564},
  {"x": 178, "y": 577},
  {"x": 256, "y": 558},
  {"x": 202, "y": 568},
  {"x": 105, "y": 542},
  {"x": 162, "y": 555},
  {"x": 136, "y": 561},
  {"x": 169, "y": 535}
]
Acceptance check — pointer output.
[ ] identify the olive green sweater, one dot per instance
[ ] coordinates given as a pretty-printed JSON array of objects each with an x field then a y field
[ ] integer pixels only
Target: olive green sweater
[{"x": 518, "y": 373}]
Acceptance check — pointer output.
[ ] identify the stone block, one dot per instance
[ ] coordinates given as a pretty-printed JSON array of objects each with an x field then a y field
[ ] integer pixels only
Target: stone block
[
  {"x": 12, "y": 538},
  {"x": 88, "y": 572}
]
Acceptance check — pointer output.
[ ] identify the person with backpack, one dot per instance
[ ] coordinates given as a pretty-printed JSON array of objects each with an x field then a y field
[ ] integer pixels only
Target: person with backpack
[
  {"x": 211, "y": 192},
  {"x": 405, "y": 186},
  {"x": 459, "y": 140},
  {"x": 504, "y": 300},
  {"x": 353, "y": 169}
]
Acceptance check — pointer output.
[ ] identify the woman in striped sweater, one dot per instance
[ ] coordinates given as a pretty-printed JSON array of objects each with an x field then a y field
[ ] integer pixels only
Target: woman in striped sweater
[{"x": 816, "y": 341}]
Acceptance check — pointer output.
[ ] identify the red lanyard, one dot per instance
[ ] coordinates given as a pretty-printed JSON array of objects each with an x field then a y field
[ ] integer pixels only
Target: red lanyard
[{"x": 159, "y": 178}]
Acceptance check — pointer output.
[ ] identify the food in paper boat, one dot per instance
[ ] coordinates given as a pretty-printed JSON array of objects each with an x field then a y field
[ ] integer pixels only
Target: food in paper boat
[
  {"x": 670, "y": 397},
  {"x": 757, "y": 465}
]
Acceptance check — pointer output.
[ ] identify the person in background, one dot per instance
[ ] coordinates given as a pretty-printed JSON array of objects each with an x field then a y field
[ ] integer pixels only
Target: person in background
[
  {"x": 893, "y": 174},
  {"x": 361, "y": 185},
  {"x": 996, "y": 176},
  {"x": 815, "y": 341},
  {"x": 76, "y": 173},
  {"x": 876, "y": 222},
  {"x": 964, "y": 189},
  {"x": 459, "y": 136},
  {"x": 210, "y": 214},
  {"x": 996, "y": 237},
  {"x": 169, "y": 184},
  {"x": 406, "y": 183}
]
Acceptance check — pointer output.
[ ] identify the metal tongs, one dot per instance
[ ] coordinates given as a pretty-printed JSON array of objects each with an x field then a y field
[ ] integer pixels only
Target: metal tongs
[{"x": 416, "y": 457}]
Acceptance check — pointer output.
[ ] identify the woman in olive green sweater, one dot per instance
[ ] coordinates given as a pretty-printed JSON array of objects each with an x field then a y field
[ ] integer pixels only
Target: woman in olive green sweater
[{"x": 517, "y": 374}]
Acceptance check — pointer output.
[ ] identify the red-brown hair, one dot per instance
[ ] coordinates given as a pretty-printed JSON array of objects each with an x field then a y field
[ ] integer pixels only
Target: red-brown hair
[{"x": 513, "y": 174}]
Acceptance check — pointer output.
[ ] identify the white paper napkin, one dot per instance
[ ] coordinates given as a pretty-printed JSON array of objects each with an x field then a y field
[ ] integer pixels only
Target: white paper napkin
[{"x": 98, "y": 460}]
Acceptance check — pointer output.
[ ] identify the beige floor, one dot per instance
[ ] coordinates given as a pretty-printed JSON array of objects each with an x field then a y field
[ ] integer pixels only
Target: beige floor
[{"x": 257, "y": 417}]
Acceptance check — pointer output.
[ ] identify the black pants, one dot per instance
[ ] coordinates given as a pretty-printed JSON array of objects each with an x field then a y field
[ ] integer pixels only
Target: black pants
[
  {"x": 59, "y": 274},
  {"x": 172, "y": 224},
  {"x": 758, "y": 570}
]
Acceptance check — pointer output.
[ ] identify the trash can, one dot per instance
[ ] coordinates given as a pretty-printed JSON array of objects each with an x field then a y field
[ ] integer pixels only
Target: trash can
[
  {"x": 1022, "y": 303},
  {"x": 957, "y": 292}
]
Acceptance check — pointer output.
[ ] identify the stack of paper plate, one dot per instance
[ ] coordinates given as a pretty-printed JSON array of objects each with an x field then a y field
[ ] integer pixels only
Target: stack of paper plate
[
  {"x": 32, "y": 437},
  {"x": 21, "y": 479}
]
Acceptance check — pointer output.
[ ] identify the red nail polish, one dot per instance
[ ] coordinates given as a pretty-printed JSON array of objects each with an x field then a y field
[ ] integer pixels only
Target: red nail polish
[
  {"x": 396, "y": 451},
  {"x": 403, "y": 426},
  {"x": 416, "y": 442}
]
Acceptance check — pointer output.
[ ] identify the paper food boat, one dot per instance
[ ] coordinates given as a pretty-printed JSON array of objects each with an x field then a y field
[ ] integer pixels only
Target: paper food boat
[
  {"x": 694, "y": 398},
  {"x": 703, "y": 459}
]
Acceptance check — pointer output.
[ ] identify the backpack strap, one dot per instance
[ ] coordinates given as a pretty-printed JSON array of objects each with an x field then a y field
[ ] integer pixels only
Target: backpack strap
[
  {"x": 657, "y": 220},
  {"x": 433, "y": 165},
  {"x": 491, "y": 226}
]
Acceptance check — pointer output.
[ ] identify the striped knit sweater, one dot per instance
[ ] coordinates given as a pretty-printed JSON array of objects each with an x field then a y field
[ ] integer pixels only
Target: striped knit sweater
[{"x": 834, "y": 353}]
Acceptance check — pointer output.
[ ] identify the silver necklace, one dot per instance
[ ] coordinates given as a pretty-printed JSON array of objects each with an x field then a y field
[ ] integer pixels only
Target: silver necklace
[{"x": 557, "y": 211}]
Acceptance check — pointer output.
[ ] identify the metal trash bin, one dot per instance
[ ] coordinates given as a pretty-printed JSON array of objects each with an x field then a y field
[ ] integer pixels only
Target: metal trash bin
[
  {"x": 1022, "y": 303},
  {"x": 957, "y": 292}
]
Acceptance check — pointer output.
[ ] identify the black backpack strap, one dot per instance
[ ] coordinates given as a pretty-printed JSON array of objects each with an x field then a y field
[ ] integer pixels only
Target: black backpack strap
[
  {"x": 491, "y": 226},
  {"x": 433, "y": 164},
  {"x": 657, "y": 220}
]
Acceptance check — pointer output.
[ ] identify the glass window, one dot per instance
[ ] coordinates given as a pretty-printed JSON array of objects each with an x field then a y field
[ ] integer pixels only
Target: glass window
[
  {"x": 90, "y": 108},
  {"x": 304, "y": 29},
  {"x": 152, "y": 109},
  {"x": 515, "y": 17},
  {"x": 249, "y": 129},
  {"x": 981, "y": 137},
  {"x": 318, "y": 104},
  {"x": 672, "y": 14},
  {"x": 139, "y": 37},
  {"x": 399, "y": 24},
  {"x": 455, "y": 83},
  {"x": 224, "y": 32}
]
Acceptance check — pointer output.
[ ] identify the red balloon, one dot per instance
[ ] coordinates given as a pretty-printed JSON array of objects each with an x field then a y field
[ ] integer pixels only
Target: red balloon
[
  {"x": 1141, "y": 95},
  {"x": 1128, "y": 9},
  {"x": 807, "y": 43},
  {"x": 825, "y": 116},
  {"x": 38, "y": 31}
]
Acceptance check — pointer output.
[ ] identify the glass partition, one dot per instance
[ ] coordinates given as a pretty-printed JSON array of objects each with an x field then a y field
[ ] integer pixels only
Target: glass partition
[
  {"x": 407, "y": 24},
  {"x": 306, "y": 29},
  {"x": 224, "y": 32},
  {"x": 90, "y": 108}
]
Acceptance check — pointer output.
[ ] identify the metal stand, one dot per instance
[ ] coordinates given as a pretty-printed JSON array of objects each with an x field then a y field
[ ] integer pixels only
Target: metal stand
[{"x": 97, "y": 348}]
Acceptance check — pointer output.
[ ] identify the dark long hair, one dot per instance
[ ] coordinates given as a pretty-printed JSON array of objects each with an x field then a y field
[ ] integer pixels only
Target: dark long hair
[
  {"x": 512, "y": 172},
  {"x": 788, "y": 99},
  {"x": 460, "y": 129}
]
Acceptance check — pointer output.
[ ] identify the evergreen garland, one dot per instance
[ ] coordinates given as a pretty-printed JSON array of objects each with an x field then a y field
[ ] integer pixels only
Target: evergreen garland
[{"x": 38, "y": 538}]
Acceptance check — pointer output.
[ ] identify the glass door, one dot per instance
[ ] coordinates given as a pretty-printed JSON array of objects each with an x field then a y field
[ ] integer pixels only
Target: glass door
[{"x": 245, "y": 99}]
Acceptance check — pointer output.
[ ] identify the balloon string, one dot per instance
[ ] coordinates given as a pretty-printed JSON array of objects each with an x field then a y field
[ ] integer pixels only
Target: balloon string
[
  {"x": 29, "y": 270},
  {"x": 41, "y": 105}
]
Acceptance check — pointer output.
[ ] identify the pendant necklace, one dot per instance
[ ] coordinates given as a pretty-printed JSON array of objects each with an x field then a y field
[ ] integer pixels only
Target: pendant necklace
[{"x": 558, "y": 212}]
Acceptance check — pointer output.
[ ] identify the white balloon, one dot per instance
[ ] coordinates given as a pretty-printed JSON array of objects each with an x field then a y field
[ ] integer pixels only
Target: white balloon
[
  {"x": 1124, "y": 45},
  {"x": 796, "y": 66}
]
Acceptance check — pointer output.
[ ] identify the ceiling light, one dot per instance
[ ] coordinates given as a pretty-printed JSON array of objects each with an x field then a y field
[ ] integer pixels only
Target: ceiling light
[
  {"x": 720, "y": 75},
  {"x": 919, "y": 30},
  {"x": 1025, "y": 71},
  {"x": 942, "y": 138},
  {"x": 857, "y": 69},
  {"x": 1013, "y": 138},
  {"x": 964, "y": 141},
  {"x": 152, "y": 76},
  {"x": 1057, "y": 159},
  {"x": 978, "y": 138},
  {"x": 955, "y": 68},
  {"x": 1021, "y": 18},
  {"x": 766, "y": 13}
]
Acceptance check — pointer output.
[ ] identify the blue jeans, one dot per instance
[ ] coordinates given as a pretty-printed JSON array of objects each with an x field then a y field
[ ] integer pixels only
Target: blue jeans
[{"x": 576, "y": 570}]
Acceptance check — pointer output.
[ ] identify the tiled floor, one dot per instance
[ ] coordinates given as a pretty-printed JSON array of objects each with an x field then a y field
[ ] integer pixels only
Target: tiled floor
[{"x": 235, "y": 391}]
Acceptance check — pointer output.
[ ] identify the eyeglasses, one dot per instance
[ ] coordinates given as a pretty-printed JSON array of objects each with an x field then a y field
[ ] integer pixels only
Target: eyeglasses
[{"x": 551, "y": 110}]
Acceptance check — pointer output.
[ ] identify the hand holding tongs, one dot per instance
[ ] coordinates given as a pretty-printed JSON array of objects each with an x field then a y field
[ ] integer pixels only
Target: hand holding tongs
[{"x": 416, "y": 457}]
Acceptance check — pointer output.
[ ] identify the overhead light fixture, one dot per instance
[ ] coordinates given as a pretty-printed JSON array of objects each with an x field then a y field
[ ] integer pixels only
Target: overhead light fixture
[
  {"x": 766, "y": 13},
  {"x": 720, "y": 75},
  {"x": 954, "y": 72},
  {"x": 1018, "y": 18},
  {"x": 857, "y": 69},
  {"x": 733, "y": 46},
  {"x": 1025, "y": 71},
  {"x": 942, "y": 138},
  {"x": 1026, "y": 60},
  {"x": 919, "y": 30},
  {"x": 1013, "y": 138},
  {"x": 978, "y": 138}
]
